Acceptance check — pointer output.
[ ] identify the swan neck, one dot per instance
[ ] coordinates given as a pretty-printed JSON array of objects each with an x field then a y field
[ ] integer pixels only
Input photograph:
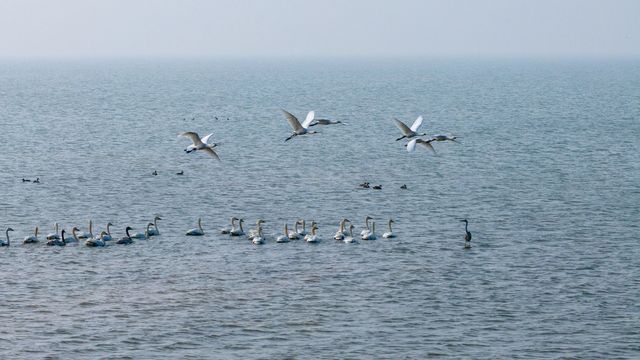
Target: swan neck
[
  {"x": 286, "y": 230},
  {"x": 108, "y": 231},
  {"x": 7, "y": 234},
  {"x": 200, "y": 224}
]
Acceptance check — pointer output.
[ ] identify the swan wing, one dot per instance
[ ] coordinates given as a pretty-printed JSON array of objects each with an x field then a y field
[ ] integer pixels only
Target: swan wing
[
  {"x": 426, "y": 144},
  {"x": 310, "y": 116},
  {"x": 193, "y": 136},
  {"x": 404, "y": 128},
  {"x": 210, "y": 151},
  {"x": 411, "y": 145},
  {"x": 205, "y": 139},
  {"x": 293, "y": 121},
  {"x": 416, "y": 124}
]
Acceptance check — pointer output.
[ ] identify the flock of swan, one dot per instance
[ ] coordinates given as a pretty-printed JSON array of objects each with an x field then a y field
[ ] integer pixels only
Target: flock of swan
[
  {"x": 302, "y": 128},
  {"x": 234, "y": 229}
]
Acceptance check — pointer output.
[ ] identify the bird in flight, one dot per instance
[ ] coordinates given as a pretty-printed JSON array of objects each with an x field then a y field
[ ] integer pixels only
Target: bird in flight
[
  {"x": 299, "y": 128},
  {"x": 199, "y": 144},
  {"x": 409, "y": 132}
]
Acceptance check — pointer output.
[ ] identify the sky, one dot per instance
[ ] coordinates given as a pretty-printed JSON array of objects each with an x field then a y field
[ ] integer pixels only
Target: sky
[{"x": 319, "y": 28}]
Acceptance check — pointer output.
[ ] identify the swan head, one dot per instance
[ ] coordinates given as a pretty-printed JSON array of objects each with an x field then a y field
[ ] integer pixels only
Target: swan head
[
  {"x": 75, "y": 228},
  {"x": 109, "y": 224},
  {"x": 368, "y": 218},
  {"x": 391, "y": 221},
  {"x": 260, "y": 221},
  {"x": 464, "y": 221},
  {"x": 128, "y": 228},
  {"x": 9, "y": 229},
  {"x": 157, "y": 218}
]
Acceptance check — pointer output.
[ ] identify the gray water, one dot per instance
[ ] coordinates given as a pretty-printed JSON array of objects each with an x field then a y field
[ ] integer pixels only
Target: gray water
[{"x": 547, "y": 172}]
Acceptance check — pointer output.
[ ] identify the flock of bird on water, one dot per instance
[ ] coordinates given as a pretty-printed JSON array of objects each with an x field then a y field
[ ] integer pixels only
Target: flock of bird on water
[{"x": 235, "y": 228}]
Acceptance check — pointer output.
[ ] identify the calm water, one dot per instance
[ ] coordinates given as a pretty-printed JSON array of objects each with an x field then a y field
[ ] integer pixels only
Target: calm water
[{"x": 547, "y": 172}]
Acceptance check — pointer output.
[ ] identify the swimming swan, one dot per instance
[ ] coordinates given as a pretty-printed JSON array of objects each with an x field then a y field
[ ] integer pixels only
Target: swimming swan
[
  {"x": 284, "y": 237},
  {"x": 86, "y": 235},
  {"x": 313, "y": 238},
  {"x": 349, "y": 239},
  {"x": 371, "y": 235},
  {"x": 31, "y": 239},
  {"x": 107, "y": 236},
  {"x": 227, "y": 230},
  {"x": 96, "y": 242},
  {"x": 54, "y": 236},
  {"x": 366, "y": 223},
  {"x": 238, "y": 232},
  {"x": 197, "y": 231},
  {"x": 126, "y": 240},
  {"x": 155, "y": 231},
  {"x": 389, "y": 234},
  {"x": 8, "y": 241}
]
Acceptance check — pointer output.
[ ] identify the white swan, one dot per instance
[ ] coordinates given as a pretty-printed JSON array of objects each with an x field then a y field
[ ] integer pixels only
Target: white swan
[
  {"x": 411, "y": 145},
  {"x": 303, "y": 231},
  {"x": 285, "y": 236},
  {"x": 31, "y": 239},
  {"x": 313, "y": 224},
  {"x": 255, "y": 232},
  {"x": 349, "y": 239},
  {"x": 313, "y": 238},
  {"x": 298, "y": 128},
  {"x": 199, "y": 144},
  {"x": 366, "y": 222},
  {"x": 227, "y": 230},
  {"x": 294, "y": 235},
  {"x": 125, "y": 240},
  {"x": 372, "y": 234},
  {"x": 194, "y": 147},
  {"x": 8, "y": 241},
  {"x": 142, "y": 235},
  {"x": 409, "y": 132},
  {"x": 74, "y": 236},
  {"x": 239, "y": 231},
  {"x": 96, "y": 242},
  {"x": 389, "y": 234},
  {"x": 340, "y": 234},
  {"x": 54, "y": 236},
  {"x": 86, "y": 235},
  {"x": 197, "y": 231},
  {"x": 258, "y": 239},
  {"x": 107, "y": 236},
  {"x": 155, "y": 231}
]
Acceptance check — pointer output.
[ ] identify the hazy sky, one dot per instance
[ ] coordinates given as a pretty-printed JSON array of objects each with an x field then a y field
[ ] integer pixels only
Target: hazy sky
[{"x": 334, "y": 28}]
